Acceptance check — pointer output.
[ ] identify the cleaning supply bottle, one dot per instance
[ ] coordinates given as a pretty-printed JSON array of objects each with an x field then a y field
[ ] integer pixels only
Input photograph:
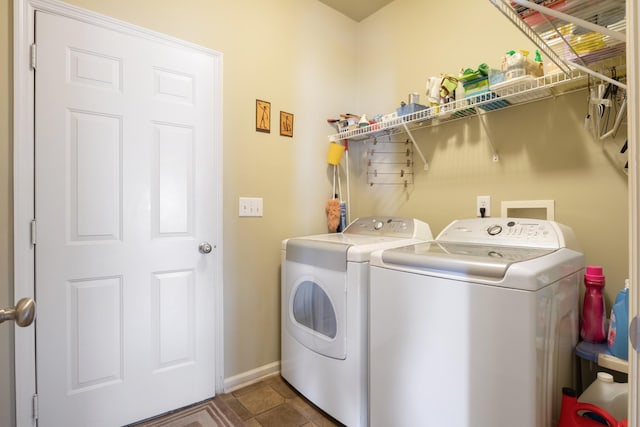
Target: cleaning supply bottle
[
  {"x": 459, "y": 94},
  {"x": 618, "y": 338},
  {"x": 538, "y": 63},
  {"x": 593, "y": 310},
  {"x": 582, "y": 414},
  {"x": 343, "y": 216},
  {"x": 608, "y": 395}
]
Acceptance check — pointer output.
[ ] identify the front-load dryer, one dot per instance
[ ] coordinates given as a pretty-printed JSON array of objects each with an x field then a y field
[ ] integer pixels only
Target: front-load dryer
[
  {"x": 476, "y": 328},
  {"x": 325, "y": 280}
]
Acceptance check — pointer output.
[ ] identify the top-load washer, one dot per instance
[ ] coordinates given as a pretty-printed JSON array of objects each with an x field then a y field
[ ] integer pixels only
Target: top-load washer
[
  {"x": 325, "y": 280},
  {"x": 477, "y": 328}
]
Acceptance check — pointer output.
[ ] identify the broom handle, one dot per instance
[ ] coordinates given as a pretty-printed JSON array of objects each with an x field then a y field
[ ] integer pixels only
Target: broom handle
[
  {"x": 339, "y": 185},
  {"x": 333, "y": 193},
  {"x": 348, "y": 195}
]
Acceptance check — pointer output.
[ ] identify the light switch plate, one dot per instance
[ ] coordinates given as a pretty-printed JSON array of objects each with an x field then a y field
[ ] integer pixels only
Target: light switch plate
[{"x": 250, "y": 206}]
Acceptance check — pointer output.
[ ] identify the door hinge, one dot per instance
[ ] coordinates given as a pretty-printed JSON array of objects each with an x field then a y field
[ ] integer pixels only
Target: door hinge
[
  {"x": 32, "y": 51},
  {"x": 33, "y": 231},
  {"x": 35, "y": 406}
]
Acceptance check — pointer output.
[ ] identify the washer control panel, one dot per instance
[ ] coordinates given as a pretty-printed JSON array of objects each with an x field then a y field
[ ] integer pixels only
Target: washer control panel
[
  {"x": 508, "y": 232},
  {"x": 388, "y": 226}
]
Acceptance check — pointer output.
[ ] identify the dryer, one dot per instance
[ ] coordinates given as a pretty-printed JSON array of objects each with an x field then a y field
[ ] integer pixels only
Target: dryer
[
  {"x": 476, "y": 328},
  {"x": 324, "y": 291}
]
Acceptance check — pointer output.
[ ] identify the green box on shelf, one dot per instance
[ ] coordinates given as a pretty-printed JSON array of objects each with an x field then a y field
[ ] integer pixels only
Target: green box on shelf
[{"x": 473, "y": 87}]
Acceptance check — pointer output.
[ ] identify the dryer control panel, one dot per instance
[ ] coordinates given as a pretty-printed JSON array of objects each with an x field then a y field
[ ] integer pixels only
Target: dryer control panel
[
  {"x": 510, "y": 232},
  {"x": 389, "y": 226}
]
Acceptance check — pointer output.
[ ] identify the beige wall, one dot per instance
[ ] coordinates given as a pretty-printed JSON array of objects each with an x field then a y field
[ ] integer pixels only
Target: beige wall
[{"x": 311, "y": 61}]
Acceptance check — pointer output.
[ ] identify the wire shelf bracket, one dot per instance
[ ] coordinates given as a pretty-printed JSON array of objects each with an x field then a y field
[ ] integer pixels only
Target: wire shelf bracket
[
  {"x": 415, "y": 145},
  {"x": 494, "y": 153}
]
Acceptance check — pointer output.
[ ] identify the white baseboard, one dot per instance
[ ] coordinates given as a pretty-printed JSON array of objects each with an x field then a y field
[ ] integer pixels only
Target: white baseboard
[{"x": 251, "y": 377}]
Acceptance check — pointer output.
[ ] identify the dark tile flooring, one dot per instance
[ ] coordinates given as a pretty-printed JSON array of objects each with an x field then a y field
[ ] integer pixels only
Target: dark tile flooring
[{"x": 274, "y": 403}]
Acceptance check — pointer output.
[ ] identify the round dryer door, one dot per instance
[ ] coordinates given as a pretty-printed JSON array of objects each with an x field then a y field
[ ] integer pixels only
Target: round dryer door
[
  {"x": 312, "y": 308},
  {"x": 316, "y": 309}
]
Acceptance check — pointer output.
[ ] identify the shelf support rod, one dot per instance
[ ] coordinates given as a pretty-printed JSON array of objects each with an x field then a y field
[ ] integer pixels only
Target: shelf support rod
[
  {"x": 413, "y": 141},
  {"x": 574, "y": 20},
  {"x": 494, "y": 153}
]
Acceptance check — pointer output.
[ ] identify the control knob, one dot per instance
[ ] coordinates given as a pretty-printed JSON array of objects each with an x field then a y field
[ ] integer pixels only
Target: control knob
[{"x": 494, "y": 230}]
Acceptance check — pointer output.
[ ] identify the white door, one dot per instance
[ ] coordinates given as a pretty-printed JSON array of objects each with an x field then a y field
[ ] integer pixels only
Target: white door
[{"x": 125, "y": 192}]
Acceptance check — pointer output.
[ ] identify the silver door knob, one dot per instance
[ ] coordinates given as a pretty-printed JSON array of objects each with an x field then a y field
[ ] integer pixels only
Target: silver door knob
[
  {"x": 23, "y": 313},
  {"x": 205, "y": 248}
]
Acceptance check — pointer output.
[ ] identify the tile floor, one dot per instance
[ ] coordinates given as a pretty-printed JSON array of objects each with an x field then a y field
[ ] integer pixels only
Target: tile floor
[{"x": 274, "y": 403}]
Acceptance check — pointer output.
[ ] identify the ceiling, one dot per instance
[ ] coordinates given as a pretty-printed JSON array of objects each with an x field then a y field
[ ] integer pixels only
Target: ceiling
[{"x": 356, "y": 9}]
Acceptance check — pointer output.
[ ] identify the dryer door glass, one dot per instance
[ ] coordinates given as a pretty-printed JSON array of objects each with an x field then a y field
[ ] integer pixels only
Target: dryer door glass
[{"x": 313, "y": 309}]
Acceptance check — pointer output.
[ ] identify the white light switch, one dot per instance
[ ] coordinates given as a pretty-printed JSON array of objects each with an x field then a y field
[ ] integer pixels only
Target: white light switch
[{"x": 250, "y": 206}]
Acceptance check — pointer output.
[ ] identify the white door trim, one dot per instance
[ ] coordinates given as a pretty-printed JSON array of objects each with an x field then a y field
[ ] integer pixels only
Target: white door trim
[
  {"x": 24, "y": 189},
  {"x": 633, "y": 132}
]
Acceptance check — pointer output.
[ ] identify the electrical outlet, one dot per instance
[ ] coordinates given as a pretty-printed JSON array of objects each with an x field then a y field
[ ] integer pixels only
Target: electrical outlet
[{"x": 483, "y": 202}]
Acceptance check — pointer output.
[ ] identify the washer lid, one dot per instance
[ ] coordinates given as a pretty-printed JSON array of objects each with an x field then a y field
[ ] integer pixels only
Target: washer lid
[
  {"x": 491, "y": 261},
  {"x": 352, "y": 247}
]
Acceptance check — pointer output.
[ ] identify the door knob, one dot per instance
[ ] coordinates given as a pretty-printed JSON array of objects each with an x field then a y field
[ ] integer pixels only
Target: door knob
[
  {"x": 205, "y": 248},
  {"x": 23, "y": 313}
]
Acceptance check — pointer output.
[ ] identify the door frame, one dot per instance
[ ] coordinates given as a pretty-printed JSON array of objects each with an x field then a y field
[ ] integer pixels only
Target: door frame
[
  {"x": 633, "y": 135},
  {"x": 24, "y": 184}
]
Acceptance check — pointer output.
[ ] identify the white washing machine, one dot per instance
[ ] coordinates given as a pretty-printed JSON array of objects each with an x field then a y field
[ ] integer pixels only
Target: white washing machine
[
  {"x": 324, "y": 293},
  {"x": 477, "y": 328}
]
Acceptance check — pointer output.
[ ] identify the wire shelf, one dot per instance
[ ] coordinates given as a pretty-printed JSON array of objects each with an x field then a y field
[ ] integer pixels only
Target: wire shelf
[
  {"x": 501, "y": 97},
  {"x": 572, "y": 33}
]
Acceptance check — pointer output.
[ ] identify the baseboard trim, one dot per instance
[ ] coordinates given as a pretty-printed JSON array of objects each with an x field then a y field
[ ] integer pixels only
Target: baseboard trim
[{"x": 251, "y": 377}]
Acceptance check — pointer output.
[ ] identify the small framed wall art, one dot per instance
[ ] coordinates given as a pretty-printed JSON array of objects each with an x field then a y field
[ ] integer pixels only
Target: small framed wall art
[
  {"x": 263, "y": 116},
  {"x": 286, "y": 124}
]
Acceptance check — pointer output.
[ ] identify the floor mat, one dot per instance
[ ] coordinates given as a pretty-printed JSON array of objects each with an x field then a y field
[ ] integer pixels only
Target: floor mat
[{"x": 212, "y": 413}]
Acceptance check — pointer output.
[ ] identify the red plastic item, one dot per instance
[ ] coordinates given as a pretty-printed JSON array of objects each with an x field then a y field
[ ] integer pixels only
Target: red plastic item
[{"x": 572, "y": 413}]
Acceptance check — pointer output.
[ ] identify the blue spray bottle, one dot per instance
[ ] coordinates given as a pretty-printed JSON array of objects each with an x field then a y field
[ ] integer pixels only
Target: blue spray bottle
[{"x": 343, "y": 216}]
